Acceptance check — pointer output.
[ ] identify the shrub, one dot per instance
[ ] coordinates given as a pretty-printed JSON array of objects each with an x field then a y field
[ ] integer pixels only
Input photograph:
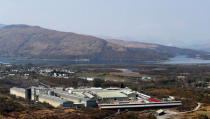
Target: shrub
[
  {"x": 7, "y": 106},
  {"x": 202, "y": 116}
]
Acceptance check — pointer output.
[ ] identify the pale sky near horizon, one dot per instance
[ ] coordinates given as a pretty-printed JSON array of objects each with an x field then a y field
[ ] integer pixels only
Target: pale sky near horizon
[{"x": 169, "y": 22}]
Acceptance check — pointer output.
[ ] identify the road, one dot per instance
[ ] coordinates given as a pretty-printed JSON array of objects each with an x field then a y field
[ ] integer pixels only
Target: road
[{"x": 169, "y": 114}]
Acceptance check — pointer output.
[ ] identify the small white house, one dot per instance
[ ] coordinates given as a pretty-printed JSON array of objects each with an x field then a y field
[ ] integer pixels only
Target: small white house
[
  {"x": 90, "y": 78},
  {"x": 146, "y": 78},
  {"x": 11, "y": 74}
]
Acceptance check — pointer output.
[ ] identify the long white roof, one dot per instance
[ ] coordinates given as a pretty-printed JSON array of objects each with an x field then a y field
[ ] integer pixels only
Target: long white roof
[{"x": 111, "y": 94}]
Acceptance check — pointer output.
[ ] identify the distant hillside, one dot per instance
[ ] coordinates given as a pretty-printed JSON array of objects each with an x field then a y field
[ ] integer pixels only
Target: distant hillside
[
  {"x": 160, "y": 49},
  {"x": 133, "y": 44},
  {"x": 1, "y": 25},
  {"x": 201, "y": 46},
  {"x": 205, "y": 47},
  {"x": 37, "y": 42}
]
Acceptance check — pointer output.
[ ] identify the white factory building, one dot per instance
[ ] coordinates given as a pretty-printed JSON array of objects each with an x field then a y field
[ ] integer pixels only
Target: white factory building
[
  {"x": 55, "y": 101},
  {"x": 91, "y": 97},
  {"x": 19, "y": 92}
]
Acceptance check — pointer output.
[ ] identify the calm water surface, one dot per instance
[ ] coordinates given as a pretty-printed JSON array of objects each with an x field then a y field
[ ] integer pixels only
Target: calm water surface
[
  {"x": 185, "y": 60},
  {"x": 175, "y": 60}
]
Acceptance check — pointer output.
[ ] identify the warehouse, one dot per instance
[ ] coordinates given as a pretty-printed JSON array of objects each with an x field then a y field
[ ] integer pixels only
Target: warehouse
[
  {"x": 55, "y": 101},
  {"x": 35, "y": 91},
  {"x": 130, "y": 94},
  {"x": 19, "y": 92},
  {"x": 110, "y": 96},
  {"x": 76, "y": 99}
]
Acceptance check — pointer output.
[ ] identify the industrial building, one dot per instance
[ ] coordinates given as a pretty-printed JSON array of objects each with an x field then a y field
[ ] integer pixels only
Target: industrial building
[
  {"x": 110, "y": 98},
  {"x": 78, "y": 101},
  {"x": 19, "y": 92},
  {"x": 55, "y": 101}
]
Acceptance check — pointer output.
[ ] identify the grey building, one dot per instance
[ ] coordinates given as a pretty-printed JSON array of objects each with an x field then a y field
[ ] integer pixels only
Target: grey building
[
  {"x": 55, "y": 101},
  {"x": 76, "y": 99}
]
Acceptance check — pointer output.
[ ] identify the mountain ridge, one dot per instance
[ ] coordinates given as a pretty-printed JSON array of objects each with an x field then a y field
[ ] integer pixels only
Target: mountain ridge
[{"x": 37, "y": 42}]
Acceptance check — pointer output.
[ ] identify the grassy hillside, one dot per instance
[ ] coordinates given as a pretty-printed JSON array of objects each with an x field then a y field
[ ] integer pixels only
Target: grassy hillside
[{"x": 37, "y": 42}]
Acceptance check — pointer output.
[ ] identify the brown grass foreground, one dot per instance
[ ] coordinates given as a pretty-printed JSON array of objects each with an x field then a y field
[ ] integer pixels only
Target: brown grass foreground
[
  {"x": 17, "y": 108},
  {"x": 58, "y": 114}
]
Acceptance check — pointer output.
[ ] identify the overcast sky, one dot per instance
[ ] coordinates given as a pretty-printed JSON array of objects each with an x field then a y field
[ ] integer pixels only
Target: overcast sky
[{"x": 169, "y": 22}]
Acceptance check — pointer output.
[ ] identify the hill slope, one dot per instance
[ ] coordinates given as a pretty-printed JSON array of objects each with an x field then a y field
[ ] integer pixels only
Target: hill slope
[
  {"x": 205, "y": 47},
  {"x": 37, "y": 42},
  {"x": 159, "y": 49},
  {"x": 1, "y": 25}
]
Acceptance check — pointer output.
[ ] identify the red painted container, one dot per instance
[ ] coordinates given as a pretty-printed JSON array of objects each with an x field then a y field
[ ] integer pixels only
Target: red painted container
[{"x": 154, "y": 100}]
